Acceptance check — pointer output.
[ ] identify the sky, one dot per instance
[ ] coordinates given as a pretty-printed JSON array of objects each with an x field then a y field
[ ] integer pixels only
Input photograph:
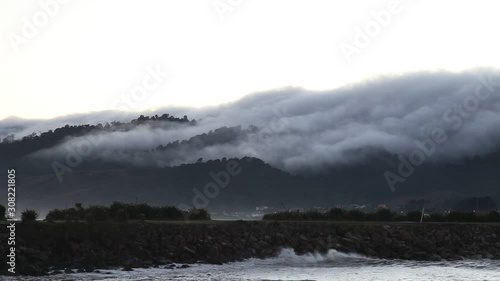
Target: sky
[{"x": 74, "y": 56}]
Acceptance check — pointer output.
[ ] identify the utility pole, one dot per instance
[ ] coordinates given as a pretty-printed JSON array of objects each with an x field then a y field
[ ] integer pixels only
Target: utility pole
[{"x": 422, "y": 216}]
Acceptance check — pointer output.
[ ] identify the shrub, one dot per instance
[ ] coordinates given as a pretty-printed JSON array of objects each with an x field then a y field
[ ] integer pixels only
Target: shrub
[
  {"x": 335, "y": 214},
  {"x": 493, "y": 216},
  {"x": 384, "y": 215},
  {"x": 148, "y": 211},
  {"x": 141, "y": 217},
  {"x": 121, "y": 215},
  {"x": 199, "y": 214},
  {"x": 29, "y": 215},
  {"x": 55, "y": 215},
  {"x": 414, "y": 216},
  {"x": 89, "y": 218},
  {"x": 99, "y": 213},
  {"x": 171, "y": 213},
  {"x": 371, "y": 216},
  {"x": 436, "y": 217},
  {"x": 68, "y": 218},
  {"x": 115, "y": 207},
  {"x": 314, "y": 215},
  {"x": 356, "y": 215},
  {"x": 461, "y": 217},
  {"x": 118, "y": 211}
]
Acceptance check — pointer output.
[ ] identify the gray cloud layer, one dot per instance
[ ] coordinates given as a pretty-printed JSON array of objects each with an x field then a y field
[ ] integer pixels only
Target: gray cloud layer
[{"x": 300, "y": 129}]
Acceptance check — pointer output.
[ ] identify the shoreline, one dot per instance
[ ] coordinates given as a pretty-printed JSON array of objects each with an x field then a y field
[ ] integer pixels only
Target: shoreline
[{"x": 87, "y": 247}]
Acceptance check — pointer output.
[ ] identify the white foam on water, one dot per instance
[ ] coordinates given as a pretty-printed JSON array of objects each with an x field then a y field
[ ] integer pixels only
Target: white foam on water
[
  {"x": 290, "y": 266},
  {"x": 288, "y": 255}
]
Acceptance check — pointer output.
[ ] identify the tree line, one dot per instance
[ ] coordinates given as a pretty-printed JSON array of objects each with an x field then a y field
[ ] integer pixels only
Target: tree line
[
  {"x": 117, "y": 211},
  {"x": 12, "y": 147},
  {"x": 337, "y": 214}
]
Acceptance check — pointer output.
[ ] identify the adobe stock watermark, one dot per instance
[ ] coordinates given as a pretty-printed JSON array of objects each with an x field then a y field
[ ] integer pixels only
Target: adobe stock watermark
[
  {"x": 363, "y": 36},
  {"x": 454, "y": 118},
  {"x": 75, "y": 154},
  {"x": 221, "y": 179},
  {"x": 222, "y": 7},
  {"x": 150, "y": 82},
  {"x": 31, "y": 26}
]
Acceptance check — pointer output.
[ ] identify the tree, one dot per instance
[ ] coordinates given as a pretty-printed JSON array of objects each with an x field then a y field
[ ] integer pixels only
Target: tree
[
  {"x": 122, "y": 215},
  {"x": 384, "y": 214},
  {"x": 54, "y": 215},
  {"x": 356, "y": 215},
  {"x": 334, "y": 214},
  {"x": 494, "y": 216},
  {"x": 171, "y": 213},
  {"x": 98, "y": 213},
  {"x": 141, "y": 217},
  {"x": 414, "y": 216},
  {"x": 199, "y": 214},
  {"x": 89, "y": 217},
  {"x": 8, "y": 139},
  {"x": 80, "y": 211},
  {"x": 29, "y": 137},
  {"x": 29, "y": 215},
  {"x": 437, "y": 217},
  {"x": 461, "y": 217}
]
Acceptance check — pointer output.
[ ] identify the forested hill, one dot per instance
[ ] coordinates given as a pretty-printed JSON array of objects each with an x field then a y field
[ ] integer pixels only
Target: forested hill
[
  {"x": 162, "y": 159},
  {"x": 12, "y": 148}
]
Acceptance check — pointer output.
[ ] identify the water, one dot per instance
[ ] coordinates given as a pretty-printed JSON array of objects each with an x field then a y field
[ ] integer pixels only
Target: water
[{"x": 289, "y": 266}]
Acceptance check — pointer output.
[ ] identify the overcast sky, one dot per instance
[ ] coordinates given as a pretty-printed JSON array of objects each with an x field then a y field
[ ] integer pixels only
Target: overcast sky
[{"x": 86, "y": 55}]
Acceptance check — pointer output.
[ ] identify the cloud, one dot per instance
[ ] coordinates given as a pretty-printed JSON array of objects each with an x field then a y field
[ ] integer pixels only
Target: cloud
[{"x": 301, "y": 130}]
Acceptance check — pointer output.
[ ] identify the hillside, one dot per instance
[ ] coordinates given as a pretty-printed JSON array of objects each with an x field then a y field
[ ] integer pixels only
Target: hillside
[{"x": 47, "y": 179}]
